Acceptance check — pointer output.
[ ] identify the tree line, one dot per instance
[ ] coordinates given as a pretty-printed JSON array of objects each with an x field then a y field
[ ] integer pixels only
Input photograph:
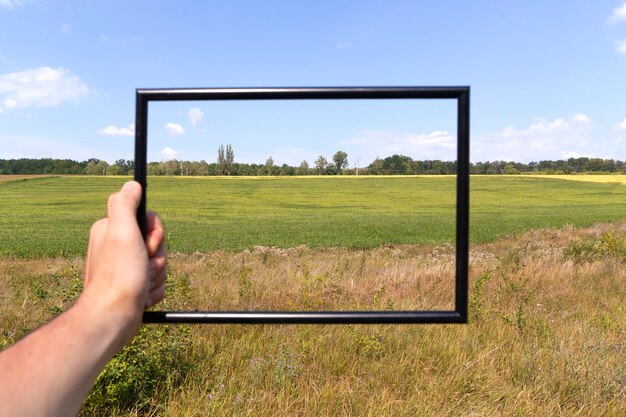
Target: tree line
[{"x": 225, "y": 164}]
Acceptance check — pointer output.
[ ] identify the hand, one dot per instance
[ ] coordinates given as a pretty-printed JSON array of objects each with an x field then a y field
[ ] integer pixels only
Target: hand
[{"x": 124, "y": 274}]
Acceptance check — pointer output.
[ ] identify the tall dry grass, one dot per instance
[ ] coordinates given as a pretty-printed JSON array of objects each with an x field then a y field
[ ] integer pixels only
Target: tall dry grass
[{"x": 546, "y": 335}]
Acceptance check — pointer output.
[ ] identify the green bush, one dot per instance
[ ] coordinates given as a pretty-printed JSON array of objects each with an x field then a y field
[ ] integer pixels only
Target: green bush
[
  {"x": 156, "y": 360},
  {"x": 589, "y": 250}
]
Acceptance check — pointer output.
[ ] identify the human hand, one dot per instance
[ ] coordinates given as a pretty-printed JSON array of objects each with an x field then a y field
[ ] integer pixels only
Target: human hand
[{"x": 124, "y": 274}]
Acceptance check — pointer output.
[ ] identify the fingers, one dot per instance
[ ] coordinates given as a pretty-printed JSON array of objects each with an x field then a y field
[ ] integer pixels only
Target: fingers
[
  {"x": 155, "y": 234},
  {"x": 157, "y": 265},
  {"x": 122, "y": 206},
  {"x": 98, "y": 230},
  {"x": 155, "y": 296},
  {"x": 156, "y": 291}
]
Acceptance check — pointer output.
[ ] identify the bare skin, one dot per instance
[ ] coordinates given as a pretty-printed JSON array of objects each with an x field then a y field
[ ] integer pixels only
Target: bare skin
[{"x": 50, "y": 372}]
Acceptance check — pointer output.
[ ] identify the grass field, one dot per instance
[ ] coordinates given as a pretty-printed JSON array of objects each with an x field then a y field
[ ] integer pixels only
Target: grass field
[
  {"x": 545, "y": 338},
  {"x": 51, "y": 216},
  {"x": 547, "y": 283}
]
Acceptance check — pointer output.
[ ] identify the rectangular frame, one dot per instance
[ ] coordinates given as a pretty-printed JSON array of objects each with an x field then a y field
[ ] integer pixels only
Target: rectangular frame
[{"x": 461, "y": 94}]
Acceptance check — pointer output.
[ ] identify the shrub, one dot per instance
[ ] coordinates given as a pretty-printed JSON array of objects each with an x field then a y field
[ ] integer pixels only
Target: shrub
[{"x": 156, "y": 359}]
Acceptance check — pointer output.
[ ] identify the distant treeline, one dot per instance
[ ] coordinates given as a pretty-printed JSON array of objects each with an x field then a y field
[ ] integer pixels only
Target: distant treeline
[{"x": 392, "y": 165}]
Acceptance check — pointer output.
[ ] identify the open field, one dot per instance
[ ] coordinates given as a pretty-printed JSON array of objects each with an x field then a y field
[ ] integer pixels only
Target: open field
[
  {"x": 51, "y": 216},
  {"x": 547, "y": 283},
  {"x": 545, "y": 338}
]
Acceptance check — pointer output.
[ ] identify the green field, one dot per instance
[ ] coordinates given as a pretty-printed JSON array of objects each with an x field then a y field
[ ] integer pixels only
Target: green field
[{"x": 51, "y": 216}]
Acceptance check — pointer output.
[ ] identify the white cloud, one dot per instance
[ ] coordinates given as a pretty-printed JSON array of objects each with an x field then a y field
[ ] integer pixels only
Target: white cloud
[
  {"x": 10, "y": 4},
  {"x": 621, "y": 47},
  {"x": 195, "y": 116},
  {"x": 343, "y": 45},
  {"x": 570, "y": 154},
  {"x": 621, "y": 125},
  {"x": 119, "y": 131},
  {"x": 618, "y": 14},
  {"x": 378, "y": 143},
  {"x": 543, "y": 139},
  {"x": 168, "y": 153},
  {"x": 174, "y": 128},
  {"x": 65, "y": 28},
  {"x": 40, "y": 87},
  {"x": 581, "y": 118}
]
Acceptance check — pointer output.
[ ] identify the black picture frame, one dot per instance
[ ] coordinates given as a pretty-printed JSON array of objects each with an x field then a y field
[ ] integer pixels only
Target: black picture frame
[{"x": 461, "y": 94}]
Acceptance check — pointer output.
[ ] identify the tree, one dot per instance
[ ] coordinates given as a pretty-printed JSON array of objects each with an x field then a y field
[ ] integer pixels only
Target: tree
[
  {"x": 269, "y": 165},
  {"x": 375, "y": 167},
  {"x": 320, "y": 164},
  {"x": 221, "y": 161},
  {"x": 96, "y": 167},
  {"x": 340, "y": 159},
  {"x": 119, "y": 168},
  {"x": 396, "y": 165},
  {"x": 303, "y": 169},
  {"x": 229, "y": 160}
]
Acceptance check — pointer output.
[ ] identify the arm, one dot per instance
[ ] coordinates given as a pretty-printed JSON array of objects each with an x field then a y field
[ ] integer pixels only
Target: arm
[{"x": 51, "y": 371}]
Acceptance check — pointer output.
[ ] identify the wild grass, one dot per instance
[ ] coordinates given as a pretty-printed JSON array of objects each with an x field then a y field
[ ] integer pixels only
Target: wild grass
[
  {"x": 547, "y": 320},
  {"x": 545, "y": 338},
  {"x": 52, "y": 216}
]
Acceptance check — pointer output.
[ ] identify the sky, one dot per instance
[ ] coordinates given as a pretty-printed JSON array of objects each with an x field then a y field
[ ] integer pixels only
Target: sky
[{"x": 547, "y": 79}]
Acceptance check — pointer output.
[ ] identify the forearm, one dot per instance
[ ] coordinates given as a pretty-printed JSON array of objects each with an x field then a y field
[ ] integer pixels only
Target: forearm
[{"x": 51, "y": 371}]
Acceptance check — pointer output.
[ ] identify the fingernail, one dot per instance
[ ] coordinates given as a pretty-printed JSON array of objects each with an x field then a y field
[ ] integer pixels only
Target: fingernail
[{"x": 129, "y": 185}]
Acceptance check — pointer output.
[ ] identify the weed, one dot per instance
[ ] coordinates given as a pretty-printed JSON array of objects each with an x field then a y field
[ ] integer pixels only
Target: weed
[
  {"x": 477, "y": 296},
  {"x": 156, "y": 358},
  {"x": 281, "y": 368},
  {"x": 246, "y": 287},
  {"x": 614, "y": 245},
  {"x": 582, "y": 251},
  {"x": 367, "y": 341}
]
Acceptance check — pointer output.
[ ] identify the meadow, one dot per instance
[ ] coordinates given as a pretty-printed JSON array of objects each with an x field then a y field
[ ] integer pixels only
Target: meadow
[
  {"x": 547, "y": 279},
  {"x": 51, "y": 216}
]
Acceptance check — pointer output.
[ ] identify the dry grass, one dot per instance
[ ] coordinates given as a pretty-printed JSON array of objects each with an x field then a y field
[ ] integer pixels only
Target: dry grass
[
  {"x": 391, "y": 277},
  {"x": 615, "y": 178},
  {"x": 546, "y": 335}
]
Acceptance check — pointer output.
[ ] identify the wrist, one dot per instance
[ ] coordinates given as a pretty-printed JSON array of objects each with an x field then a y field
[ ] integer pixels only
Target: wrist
[{"x": 114, "y": 323}]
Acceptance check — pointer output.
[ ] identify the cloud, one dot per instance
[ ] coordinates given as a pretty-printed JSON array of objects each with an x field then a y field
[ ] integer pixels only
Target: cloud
[
  {"x": 40, "y": 87},
  {"x": 621, "y": 125},
  {"x": 195, "y": 116},
  {"x": 10, "y": 4},
  {"x": 368, "y": 145},
  {"x": 621, "y": 47},
  {"x": 118, "y": 131},
  {"x": 581, "y": 118},
  {"x": 618, "y": 14},
  {"x": 343, "y": 45},
  {"x": 543, "y": 139},
  {"x": 570, "y": 154},
  {"x": 168, "y": 153},
  {"x": 65, "y": 28},
  {"x": 174, "y": 128}
]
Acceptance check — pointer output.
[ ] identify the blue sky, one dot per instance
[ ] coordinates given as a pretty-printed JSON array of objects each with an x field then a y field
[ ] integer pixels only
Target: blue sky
[{"x": 547, "y": 78}]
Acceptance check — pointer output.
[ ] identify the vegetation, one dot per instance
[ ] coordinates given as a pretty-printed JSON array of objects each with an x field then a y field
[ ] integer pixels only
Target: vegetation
[
  {"x": 546, "y": 304},
  {"x": 51, "y": 216},
  {"x": 226, "y": 165},
  {"x": 546, "y": 333}
]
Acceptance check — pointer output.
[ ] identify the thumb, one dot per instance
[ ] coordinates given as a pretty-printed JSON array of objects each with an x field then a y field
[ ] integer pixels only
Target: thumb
[{"x": 122, "y": 206}]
